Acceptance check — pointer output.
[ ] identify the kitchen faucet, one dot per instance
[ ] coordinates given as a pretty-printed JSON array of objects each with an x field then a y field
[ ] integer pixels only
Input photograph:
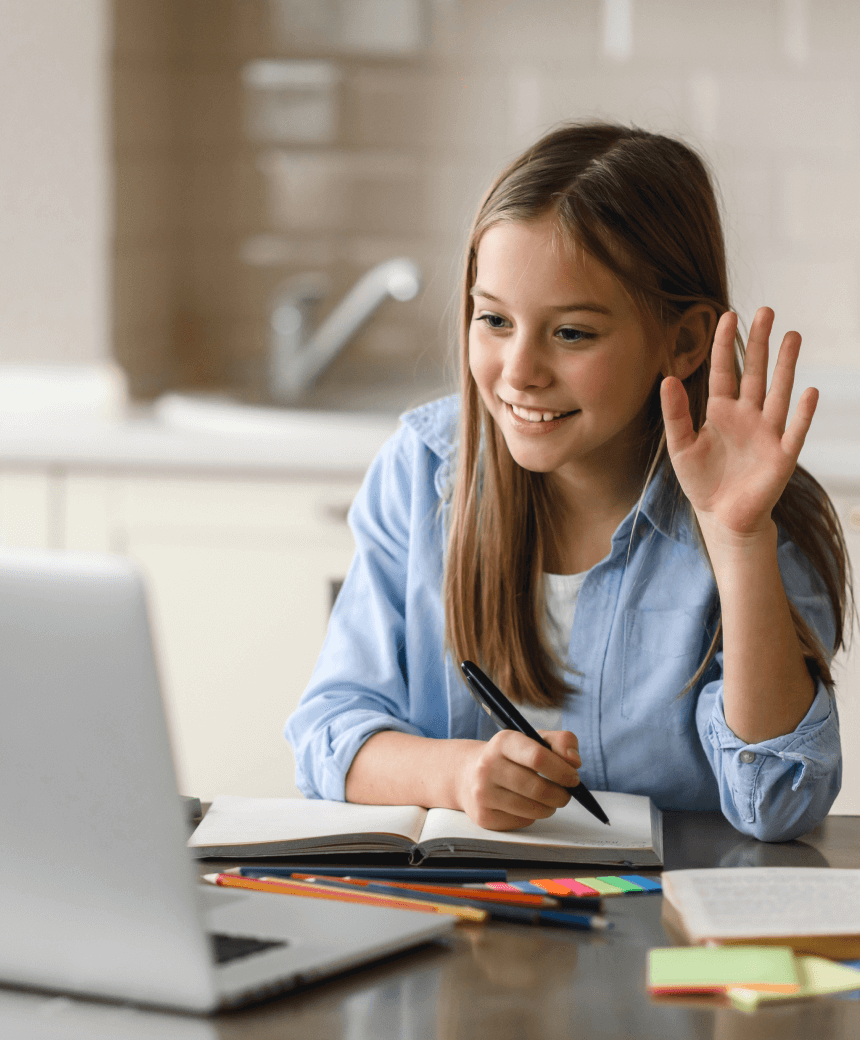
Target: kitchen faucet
[{"x": 297, "y": 356}]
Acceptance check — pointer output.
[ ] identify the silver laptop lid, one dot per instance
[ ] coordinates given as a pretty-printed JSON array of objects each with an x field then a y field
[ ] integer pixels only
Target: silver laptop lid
[{"x": 96, "y": 889}]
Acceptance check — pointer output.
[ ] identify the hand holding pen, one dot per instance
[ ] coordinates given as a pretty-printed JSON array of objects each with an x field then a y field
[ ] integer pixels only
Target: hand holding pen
[{"x": 529, "y": 759}]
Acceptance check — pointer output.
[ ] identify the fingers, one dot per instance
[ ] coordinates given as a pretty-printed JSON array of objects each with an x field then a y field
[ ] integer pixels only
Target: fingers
[
  {"x": 565, "y": 744},
  {"x": 516, "y": 781},
  {"x": 795, "y": 435},
  {"x": 754, "y": 380},
  {"x": 546, "y": 763},
  {"x": 774, "y": 402},
  {"x": 722, "y": 381},
  {"x": 778, "y": 400},
  {"x": 677, "y": 420}
]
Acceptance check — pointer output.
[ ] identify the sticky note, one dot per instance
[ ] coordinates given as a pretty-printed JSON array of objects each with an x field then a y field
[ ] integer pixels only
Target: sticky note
[
  {"x": 576, "y": 887},
  {"x": 552, "y": 886},
  {"x": 527, "y": 886},
  {"x": 603, "y": 888},
  {"x": 708, "y": 969},
  {"x": 646, "y": 883},
  {"x": 501, "y": 886},
  {"x": 621, "y": 883},
  {"x": 817, "y": 976}
]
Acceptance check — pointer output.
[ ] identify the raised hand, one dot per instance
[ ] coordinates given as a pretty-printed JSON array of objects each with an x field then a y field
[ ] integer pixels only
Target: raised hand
[{"x": 737, "y": 465}]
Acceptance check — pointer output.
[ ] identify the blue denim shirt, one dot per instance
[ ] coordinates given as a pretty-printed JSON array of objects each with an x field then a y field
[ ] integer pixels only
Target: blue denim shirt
[{"x": 641, "y": 629}]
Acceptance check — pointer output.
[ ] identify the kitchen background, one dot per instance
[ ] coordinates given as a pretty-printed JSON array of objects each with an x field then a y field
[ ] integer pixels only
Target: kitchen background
[{"x": 168, "y": 164}]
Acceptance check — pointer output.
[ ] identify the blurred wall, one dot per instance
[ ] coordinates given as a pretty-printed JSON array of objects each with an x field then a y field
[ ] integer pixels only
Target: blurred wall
[
  {"x": 259, "y": 138},
  {"x": 54, "y": 181}
]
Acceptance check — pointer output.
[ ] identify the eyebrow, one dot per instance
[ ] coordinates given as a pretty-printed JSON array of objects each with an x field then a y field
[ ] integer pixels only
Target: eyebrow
[{"x": 595, "y": 308}]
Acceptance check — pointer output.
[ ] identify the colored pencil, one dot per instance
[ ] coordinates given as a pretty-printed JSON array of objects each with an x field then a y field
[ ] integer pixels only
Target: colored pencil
[
  {"x": 520, "y": 914},
  {"x": 474, "y": 894},
  {"x": 316, "y": 891}
]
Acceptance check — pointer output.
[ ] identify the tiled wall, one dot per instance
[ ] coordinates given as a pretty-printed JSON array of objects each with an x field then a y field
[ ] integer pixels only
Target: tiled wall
[{"x": 226, "y": 186}]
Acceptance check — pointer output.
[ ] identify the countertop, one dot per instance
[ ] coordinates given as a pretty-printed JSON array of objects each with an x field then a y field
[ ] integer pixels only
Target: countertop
[{"x": 316, "y": 443}]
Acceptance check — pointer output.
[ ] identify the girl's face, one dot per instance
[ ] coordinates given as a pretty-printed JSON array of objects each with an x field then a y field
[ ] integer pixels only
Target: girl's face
[{"x": 558, "y": 352}]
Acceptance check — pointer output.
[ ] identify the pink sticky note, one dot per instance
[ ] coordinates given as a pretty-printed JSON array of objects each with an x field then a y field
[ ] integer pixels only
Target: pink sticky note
[{"x": 501, "y": 886}]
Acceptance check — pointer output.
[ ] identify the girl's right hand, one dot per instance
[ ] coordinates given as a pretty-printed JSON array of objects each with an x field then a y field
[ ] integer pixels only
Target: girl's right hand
[{"x": 510, "y": 781}]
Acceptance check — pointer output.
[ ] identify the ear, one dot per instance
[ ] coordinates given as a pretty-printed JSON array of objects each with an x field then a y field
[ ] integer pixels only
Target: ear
[{"x": 690, "y": 339}]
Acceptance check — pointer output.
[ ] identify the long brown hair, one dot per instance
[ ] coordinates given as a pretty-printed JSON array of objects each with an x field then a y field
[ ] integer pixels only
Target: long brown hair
[{"x": 642, "y": 205}]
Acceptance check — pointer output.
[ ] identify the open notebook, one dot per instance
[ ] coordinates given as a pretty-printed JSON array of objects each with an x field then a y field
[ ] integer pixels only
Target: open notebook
[{"x": 250, "y": 827}]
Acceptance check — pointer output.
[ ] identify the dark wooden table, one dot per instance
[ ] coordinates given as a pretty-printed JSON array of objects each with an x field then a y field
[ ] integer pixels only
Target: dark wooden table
[{"x": 505, "y": 982}]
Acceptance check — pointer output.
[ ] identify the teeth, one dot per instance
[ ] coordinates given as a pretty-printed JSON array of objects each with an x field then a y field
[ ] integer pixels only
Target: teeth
[{"x": 530, "y": 416}]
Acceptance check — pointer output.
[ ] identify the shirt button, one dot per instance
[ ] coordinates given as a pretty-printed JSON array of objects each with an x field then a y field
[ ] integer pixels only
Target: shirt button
[{"x": 747, "y": 756}]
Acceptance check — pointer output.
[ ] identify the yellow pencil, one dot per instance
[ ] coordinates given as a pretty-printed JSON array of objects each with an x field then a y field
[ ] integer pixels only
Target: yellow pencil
[{"x": 313, "y": 891}]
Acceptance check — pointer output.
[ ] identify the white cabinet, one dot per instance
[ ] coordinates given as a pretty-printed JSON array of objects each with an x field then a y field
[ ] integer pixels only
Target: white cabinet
[
  {"x": 239, "y": 575},
  {"x": 29, "y": 518}
]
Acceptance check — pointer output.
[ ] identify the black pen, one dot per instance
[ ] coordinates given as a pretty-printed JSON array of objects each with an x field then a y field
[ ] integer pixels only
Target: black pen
[{"x": 504, "y": 714}]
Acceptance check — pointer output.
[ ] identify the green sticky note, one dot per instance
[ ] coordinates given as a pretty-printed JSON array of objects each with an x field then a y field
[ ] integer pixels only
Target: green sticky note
[
  {"x": 621, "y": 883},
  {"x": 817, "y": 976},
  {"x": 600, "y": 886},
  {"x": 705, "y": 969}
]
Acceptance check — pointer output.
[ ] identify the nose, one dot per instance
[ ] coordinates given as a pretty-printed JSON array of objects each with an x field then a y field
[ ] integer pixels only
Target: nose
[{"x": 524, "y": 366}]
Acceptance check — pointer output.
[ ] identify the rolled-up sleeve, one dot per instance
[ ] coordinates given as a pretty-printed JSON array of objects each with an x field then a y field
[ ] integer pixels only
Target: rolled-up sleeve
[
  {"x": 780, "y": 788},
  {"x": 359, "y": 685}
]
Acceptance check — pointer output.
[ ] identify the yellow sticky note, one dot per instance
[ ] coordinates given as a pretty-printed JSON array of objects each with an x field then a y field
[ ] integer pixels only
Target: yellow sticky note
[
  {"x": 817, "y": 976},
  {"x": 708, "y": 969}
]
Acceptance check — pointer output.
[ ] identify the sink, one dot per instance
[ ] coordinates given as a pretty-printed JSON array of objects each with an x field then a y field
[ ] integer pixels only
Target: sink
[
  {"x": 340, "y": 425},
  {"x": 360, "y": 400},
  {"x": 327, "y": 441}
]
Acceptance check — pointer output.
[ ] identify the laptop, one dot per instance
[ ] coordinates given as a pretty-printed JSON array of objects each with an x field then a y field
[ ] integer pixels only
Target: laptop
[{"x": 98, "y": 894}]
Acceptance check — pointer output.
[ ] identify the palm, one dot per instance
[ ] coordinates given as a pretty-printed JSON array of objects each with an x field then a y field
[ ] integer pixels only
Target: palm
[{"x": 737, "y": 465}]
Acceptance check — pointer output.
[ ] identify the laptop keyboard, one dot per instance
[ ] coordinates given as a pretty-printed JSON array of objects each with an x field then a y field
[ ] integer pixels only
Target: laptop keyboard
[{"x": 227, "y": 948}]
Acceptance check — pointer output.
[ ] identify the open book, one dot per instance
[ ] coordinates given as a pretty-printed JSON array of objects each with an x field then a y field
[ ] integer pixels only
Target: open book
[
  {"x": 814, "y": 910},
  {"x": 238, "y": 827}
]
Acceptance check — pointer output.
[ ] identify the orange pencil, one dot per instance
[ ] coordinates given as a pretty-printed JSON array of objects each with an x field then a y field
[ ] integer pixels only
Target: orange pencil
[
  {"x": 312, "y": 891},
  {"x": 482, "y": 895}
]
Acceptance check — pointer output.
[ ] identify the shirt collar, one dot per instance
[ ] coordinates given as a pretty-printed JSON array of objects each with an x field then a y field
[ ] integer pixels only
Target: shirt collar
[
  {"x": 659, "y": 507},
  {"x": 436, "y": 424}
]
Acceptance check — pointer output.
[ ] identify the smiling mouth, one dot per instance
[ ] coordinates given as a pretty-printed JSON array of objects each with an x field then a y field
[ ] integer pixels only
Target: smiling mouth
[{"x": 533, "y": 415}]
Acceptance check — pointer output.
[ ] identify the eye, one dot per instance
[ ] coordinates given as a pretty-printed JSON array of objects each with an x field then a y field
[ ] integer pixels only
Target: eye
[
  {"x": 492, "y": 321},
  {"x": 569, "y": 335}
]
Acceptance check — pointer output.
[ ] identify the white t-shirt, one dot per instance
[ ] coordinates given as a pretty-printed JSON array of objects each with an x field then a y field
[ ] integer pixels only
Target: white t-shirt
[{"x": 561, "y": 592}]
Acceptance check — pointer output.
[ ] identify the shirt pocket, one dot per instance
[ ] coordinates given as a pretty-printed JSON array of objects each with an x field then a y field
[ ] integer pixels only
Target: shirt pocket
[{"x": 662, "y": 650}]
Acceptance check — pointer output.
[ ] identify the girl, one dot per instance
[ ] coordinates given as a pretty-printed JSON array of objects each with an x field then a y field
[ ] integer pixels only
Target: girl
[{"x": 608, "y": 518}]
